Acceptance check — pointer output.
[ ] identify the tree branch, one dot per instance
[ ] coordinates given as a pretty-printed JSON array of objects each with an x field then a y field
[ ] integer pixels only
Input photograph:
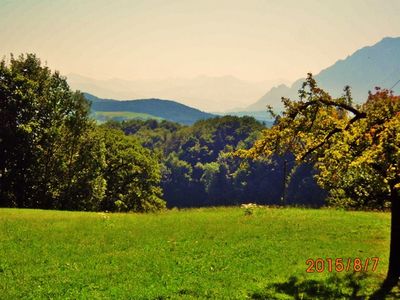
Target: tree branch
[
  {"x": 357, "y": 116},
  {"x": 327, "y": 102}
]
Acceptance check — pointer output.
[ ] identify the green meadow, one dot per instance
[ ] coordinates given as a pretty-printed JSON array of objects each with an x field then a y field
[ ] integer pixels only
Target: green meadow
[
  {"x": 122, "y": 115},
  {"x": 216, "y": 253}
]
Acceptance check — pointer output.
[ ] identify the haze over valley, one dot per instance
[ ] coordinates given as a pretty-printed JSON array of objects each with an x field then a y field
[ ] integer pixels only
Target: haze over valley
[
  {"x": 213, "y": 56},
  {"x": 371, "y": 66},
  {"x": 208, "y": 93}
]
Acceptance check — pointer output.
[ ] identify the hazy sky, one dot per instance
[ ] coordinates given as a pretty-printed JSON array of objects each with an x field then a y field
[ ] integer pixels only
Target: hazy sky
[{"x": 250, "y": 39}]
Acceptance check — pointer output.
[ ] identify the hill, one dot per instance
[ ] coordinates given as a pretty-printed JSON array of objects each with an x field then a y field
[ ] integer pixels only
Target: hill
[
  {"x": 160, "y": 109},
  {"x": 367, "y": 68},
  {"x": 216, "y": 253}
]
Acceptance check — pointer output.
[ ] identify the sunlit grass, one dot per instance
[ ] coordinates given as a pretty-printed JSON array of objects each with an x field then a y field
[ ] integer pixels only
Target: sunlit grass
[
  {"x": 197, "y": 253},
  {"x": 123, "y": 115}
]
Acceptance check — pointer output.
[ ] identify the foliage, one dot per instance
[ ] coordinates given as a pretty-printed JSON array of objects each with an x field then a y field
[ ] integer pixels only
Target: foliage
[
  {"x": 198, "y": 171},
  {"x": 354, "y": 148},
  {"x": 132, "y": 174},
  {"x": 53, "y": 156},
  {"x": 45, "y": 140}
]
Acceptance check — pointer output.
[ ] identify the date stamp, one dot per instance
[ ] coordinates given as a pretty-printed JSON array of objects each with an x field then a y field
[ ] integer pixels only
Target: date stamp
[{"x": 320, "y": 265}]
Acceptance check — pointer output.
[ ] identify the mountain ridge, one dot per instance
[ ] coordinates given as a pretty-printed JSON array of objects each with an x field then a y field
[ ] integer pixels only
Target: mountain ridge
[
  {"x": 211, "y": 93},
  {"x": 164, "y": 109},
  {"x": 365, "y": 69}
]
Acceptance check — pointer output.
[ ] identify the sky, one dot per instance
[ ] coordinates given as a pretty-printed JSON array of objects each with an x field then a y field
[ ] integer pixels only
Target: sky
[{"x": 253, "y": 40}]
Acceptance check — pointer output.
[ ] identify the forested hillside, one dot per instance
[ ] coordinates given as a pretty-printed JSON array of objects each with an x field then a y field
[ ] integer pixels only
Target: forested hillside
[
  {"x": 199, "y": 169},
  {"x": 155, "y": 108}
]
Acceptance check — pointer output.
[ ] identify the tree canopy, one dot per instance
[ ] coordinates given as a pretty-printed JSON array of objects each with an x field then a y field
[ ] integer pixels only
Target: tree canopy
[
  {"x": 52, "y": 155},
  {"x": 197, "y": 169}
]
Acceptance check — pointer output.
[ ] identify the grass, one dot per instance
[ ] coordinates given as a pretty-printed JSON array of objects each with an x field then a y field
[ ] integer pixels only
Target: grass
[
  {"x": 218, "y": 253},
  {"x": 103, "y": 116}
]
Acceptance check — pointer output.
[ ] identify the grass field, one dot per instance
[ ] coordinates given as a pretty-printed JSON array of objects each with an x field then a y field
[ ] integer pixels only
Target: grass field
[
  {"x": 217, "y": 253},
  {"x": 103, "y": 116}
]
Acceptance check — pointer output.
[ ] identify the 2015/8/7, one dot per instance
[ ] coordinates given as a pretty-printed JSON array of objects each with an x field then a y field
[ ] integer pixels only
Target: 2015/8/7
[{"x": 340, "y": 264}]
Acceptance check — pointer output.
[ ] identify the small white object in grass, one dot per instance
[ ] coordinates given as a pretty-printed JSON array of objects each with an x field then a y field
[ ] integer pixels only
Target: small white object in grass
[
  {"x": 103, "y": 215},
  {"x": 249, "y": 205}
]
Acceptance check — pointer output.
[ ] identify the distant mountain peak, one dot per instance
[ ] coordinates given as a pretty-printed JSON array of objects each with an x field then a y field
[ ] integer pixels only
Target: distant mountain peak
[
  {"x": 366, "y": 68},
  {"x": 390, "y": 39}
]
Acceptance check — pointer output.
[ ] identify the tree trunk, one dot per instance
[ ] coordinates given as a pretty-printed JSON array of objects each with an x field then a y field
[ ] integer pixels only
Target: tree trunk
[{"x": 394, "y": 258}]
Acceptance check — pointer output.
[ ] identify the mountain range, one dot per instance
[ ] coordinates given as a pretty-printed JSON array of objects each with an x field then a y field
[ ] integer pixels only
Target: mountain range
[
  {"x": 367, "y": 68},
  {"x": 211, "y": 93}
]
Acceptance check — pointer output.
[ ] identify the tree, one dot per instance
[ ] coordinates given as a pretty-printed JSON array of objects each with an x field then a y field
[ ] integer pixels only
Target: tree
[
  {"x": 132, "y": 174},
  {"x": 47, "y": 159},
  {"x": 177, "y": 182},
  {"x": 346, "y": 143}
]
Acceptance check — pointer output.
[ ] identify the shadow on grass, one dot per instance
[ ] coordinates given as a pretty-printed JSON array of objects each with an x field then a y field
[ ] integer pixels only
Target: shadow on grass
[
  {"x": 386, "y": 290},
  {"x": 334, "y": 287}
]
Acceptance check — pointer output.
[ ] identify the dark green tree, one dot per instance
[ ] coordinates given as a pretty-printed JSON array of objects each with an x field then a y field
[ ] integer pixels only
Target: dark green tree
[
  {"x": 41, "y": 139},
  {"x": 132, "y": 174}
]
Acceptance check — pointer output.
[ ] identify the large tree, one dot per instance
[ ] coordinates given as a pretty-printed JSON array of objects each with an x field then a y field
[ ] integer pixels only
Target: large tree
[
  {"x": 48, "y": 158},
  {"x": 132, "y": 174},
  {"x": 348, "y": 144}
]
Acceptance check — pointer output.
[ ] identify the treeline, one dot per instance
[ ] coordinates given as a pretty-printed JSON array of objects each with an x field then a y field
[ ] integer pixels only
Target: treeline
[
  {"x": 198, "y": 168},
  {"x": 54, "y": 156}
]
